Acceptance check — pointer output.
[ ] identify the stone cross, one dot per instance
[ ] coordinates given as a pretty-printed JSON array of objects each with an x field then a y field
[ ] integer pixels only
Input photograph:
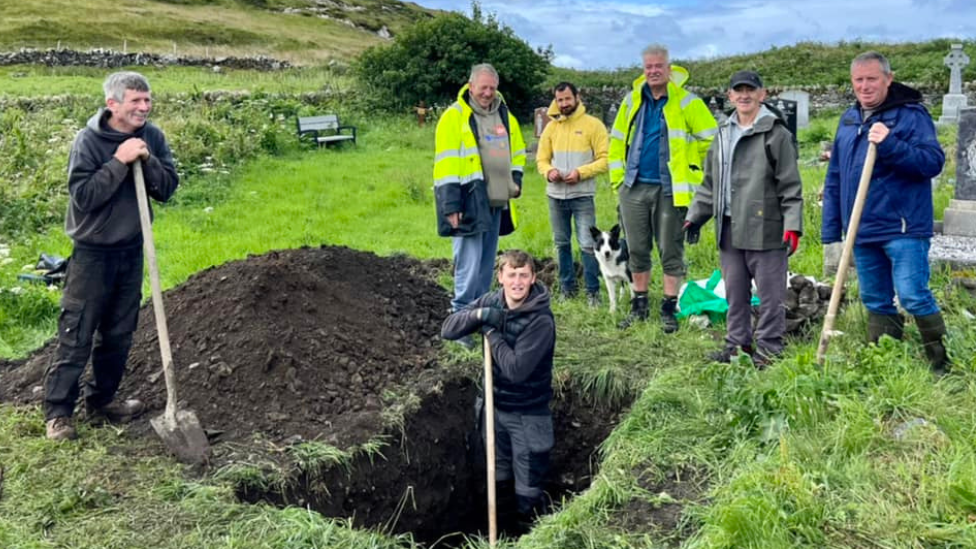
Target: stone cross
[
  {"x": 955, "y": 100},
  {"x": 956, "y": 61}
]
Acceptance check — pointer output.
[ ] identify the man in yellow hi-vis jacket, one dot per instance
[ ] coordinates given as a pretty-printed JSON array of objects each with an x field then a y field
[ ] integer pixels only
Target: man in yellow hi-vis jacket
[
  {"x": 657, "y": 150},
  {"x": 479, "y": 158}
]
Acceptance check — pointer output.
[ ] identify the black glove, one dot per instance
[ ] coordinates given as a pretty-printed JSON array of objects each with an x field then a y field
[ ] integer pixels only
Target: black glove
[
  {"x": 492, "y": 318},
  {"x": 692, "y": 232}
]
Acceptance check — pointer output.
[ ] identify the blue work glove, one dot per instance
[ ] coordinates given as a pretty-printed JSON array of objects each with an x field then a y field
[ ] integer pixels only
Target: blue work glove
[{"x": 492, "y": 318}]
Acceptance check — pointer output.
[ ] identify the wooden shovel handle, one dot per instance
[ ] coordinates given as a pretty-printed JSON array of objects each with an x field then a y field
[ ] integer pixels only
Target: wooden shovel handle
[
  {"x": 157, "y": 292},
  {"x": 490, "y": 446},
  {"x": 845, "y": 257}
]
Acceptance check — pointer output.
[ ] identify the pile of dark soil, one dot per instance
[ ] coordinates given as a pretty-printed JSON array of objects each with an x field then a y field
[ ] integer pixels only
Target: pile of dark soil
[
  {"x": 314, "y": 344},
  {"x": 298, "y": 342}
]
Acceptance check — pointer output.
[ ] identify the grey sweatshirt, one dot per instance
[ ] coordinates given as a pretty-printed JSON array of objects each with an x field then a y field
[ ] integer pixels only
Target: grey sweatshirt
[{"x": 103, "y": 211}]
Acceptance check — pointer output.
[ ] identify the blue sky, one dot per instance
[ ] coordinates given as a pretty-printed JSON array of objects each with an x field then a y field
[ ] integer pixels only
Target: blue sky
[{"x": 594, "y": 34}]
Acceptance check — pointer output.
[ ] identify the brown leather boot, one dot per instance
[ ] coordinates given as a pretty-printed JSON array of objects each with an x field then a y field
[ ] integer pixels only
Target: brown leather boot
[{"x": 61, "y": 428}]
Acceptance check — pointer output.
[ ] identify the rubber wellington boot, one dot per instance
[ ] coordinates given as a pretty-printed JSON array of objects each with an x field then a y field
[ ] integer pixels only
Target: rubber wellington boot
[
  {"x": 932, "y": 329},
  {"x": 879, "y": 325},
  {"x": 638, "y": 311}
]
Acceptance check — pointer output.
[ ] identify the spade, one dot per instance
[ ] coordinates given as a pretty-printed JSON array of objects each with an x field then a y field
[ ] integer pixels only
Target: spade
[{"x": 179, "y": 429}]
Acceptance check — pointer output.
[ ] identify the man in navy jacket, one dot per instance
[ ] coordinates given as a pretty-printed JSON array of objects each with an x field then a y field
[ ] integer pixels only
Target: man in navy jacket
[{"x": 892, "y": 241}]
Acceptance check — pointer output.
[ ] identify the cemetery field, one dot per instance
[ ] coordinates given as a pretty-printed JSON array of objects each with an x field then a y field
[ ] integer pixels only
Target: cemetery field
[{"x": 869, "y": 451}]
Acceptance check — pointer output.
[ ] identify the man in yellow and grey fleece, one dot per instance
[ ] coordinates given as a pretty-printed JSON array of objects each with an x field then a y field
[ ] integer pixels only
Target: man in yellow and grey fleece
[
  {"x": 657, "y": 151},
  {"x": 572, "y": 152}
]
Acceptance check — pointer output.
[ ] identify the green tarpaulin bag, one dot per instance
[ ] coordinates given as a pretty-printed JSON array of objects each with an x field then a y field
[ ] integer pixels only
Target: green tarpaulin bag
[{"x": 699, "y": 300}]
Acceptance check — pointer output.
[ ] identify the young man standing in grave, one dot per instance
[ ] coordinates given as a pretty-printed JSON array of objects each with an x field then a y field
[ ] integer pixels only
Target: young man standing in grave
[
  {"x": 572, "y": 152},
  {"x": 478, "y": 162},
  {"x": 753, "y": 190},
  {"x": 657, "y": 150},
  {"x": 518, "y": 323},
  {"x": 103, "y": 288},
  {"x": 891, "y": 249}
]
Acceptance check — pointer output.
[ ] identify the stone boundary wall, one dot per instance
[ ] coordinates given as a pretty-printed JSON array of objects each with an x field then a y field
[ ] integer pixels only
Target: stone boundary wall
[
  {"x": 115, "y": 59},
  {"x": 601, "y": 101}
]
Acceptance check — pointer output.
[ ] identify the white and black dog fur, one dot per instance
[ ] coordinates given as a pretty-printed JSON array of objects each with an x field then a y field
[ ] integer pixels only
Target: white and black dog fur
[{"x": 612, "y": 255}]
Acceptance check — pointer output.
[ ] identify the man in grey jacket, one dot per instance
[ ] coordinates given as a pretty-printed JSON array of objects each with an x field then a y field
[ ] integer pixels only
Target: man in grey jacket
[
  {"x": 752, "y": 187},
  {"x": 103, "y": 288}
]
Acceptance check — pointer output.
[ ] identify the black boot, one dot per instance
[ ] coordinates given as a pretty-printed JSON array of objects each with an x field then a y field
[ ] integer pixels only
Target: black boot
[
  {"x": 507, "y": 507},
  {"x": 669, "y": 306},
  {"x": 932, "y": 329},
  {"x": 879, "y": 325},
  {"x": 638, "y": 311}
]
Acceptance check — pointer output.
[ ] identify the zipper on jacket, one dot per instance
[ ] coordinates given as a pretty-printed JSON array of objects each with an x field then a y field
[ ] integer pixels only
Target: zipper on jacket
[{"x": 904, "y": 226}]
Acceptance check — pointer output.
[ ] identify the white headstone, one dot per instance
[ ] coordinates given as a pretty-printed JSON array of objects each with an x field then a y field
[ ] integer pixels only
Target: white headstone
[
  {"x": 802, "y": 99},
  {"x": 955, "y": 100}
]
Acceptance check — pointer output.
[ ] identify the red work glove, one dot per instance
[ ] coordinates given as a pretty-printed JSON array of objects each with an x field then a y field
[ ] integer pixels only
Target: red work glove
[{"x": 792, "y": 240}]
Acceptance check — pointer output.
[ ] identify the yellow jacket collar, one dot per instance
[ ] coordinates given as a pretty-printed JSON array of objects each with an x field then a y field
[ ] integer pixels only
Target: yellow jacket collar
[{"x": 556, "y": 115}]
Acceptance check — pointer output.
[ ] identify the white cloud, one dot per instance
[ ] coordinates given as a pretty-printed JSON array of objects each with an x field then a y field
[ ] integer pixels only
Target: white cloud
[{"x": 594, "y": 34}]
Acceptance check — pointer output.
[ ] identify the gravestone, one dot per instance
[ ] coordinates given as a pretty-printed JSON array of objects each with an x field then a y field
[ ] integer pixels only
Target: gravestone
[
  {"x": 802, "y": 99},
  {"x": 541, "y": 120},
  {"x": 788, "y": 108},
  {"x": 955, "y": 100},
  {"x": 960, "y": 216},
  {"x": 611, "y": 115}
]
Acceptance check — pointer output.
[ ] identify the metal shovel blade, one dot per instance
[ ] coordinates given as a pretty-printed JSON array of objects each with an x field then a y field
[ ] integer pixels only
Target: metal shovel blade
[{"x": 183, "y": 436}]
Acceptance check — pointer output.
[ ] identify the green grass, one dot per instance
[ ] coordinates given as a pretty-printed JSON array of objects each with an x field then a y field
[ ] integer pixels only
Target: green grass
[
  {"x": 21, "y": 81},
  {"x": 214, "y": 28},
  {"x": 794, "y": 456}
]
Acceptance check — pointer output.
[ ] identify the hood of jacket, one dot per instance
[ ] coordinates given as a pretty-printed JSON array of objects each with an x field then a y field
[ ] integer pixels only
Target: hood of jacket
[
  {"x": 537, "y": 300},
  {"x": 679, "y": 75},
  {"x": 558, "y": 116},
  {"x": 898, "y": 95},
  {"x": 98, "y": 123},
  {"x": 765, "y": 120},
  {"x": 464, "y": 96}
]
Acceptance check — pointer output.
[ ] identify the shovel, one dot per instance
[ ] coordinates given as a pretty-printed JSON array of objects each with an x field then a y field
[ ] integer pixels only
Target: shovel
[
  {"x": 179, "y": 429},
  {"x": 490, "y": 446},
  {"x": 845, "y": 256}
]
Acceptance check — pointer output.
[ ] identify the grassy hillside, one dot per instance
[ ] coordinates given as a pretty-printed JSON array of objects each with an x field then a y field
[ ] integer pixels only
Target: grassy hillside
[
  {"x": 300, "y": 31},
  {"x": 804, "y": 63}
]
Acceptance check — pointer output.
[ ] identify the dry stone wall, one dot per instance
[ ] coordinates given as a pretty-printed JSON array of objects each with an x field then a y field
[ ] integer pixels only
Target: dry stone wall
[
  {"x": 114, "y": 59},
  {"x": 602, "y": 102}
]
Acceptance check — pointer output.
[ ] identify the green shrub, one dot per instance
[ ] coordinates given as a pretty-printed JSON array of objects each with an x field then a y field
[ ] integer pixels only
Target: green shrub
[{"x": 432, "y": 60}]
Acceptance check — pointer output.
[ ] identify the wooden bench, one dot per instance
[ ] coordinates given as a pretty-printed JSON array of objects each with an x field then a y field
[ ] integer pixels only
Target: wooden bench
[{"x": 325, "y": 129}]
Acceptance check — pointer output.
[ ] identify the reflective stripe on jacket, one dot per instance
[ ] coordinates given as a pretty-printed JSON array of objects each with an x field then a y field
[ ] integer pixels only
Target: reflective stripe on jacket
[
  {"x": 459, "y": 182},
  {"x": 574, "y": 142},
  {"x": 691, "y": 129}
]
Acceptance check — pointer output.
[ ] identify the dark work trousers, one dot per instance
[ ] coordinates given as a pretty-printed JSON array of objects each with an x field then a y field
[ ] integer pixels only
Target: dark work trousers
[
  {"x": 768, "y": 269},
  {"x": 522, "y": 446},
  {"x": 99, "y": 313}
]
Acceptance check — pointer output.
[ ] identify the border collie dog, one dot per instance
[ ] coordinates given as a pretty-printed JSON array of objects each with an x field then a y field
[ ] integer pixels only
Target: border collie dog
[{"x": 611, "y": 253}]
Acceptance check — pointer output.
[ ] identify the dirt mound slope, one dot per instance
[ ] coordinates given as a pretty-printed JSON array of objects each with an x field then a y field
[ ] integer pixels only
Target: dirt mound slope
[{"x": 304, "y": 342}]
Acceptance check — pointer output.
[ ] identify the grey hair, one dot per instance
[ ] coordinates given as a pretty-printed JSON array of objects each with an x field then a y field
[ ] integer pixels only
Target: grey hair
[
  {"x": 117, "y": 82},
  {"x": 869, "y": 56},
  {"x": 482, "y": 68},
  {"x": 656, "y": 49}
]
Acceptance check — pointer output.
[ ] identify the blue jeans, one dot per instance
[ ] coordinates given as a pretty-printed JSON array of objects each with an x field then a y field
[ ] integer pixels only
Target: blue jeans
[
  {"x": 562, "y": 213},
  {"x": 474, "y": 262},
  {"x": 897, "y": 266}
]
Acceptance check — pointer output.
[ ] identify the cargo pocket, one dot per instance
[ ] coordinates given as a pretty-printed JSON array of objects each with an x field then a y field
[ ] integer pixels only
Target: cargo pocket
[
  {"x": 69, "y": 323},
  {"x": 539, "y": 439}
]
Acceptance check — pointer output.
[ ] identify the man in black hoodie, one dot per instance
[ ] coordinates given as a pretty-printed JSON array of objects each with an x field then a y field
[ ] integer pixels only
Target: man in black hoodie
[
  {"x": 519, "y": 326},
  {"x": 103, "y": 289}
]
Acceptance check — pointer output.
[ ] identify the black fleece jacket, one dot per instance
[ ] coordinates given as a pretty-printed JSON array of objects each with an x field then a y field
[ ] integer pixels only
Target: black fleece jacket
[
  {"x": 522, "y": 350},
  {"x": 103, "y": 212}
]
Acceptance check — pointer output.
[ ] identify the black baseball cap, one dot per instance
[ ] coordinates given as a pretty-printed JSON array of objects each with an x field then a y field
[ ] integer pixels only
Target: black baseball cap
[{"x": 749, "y": 78}]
